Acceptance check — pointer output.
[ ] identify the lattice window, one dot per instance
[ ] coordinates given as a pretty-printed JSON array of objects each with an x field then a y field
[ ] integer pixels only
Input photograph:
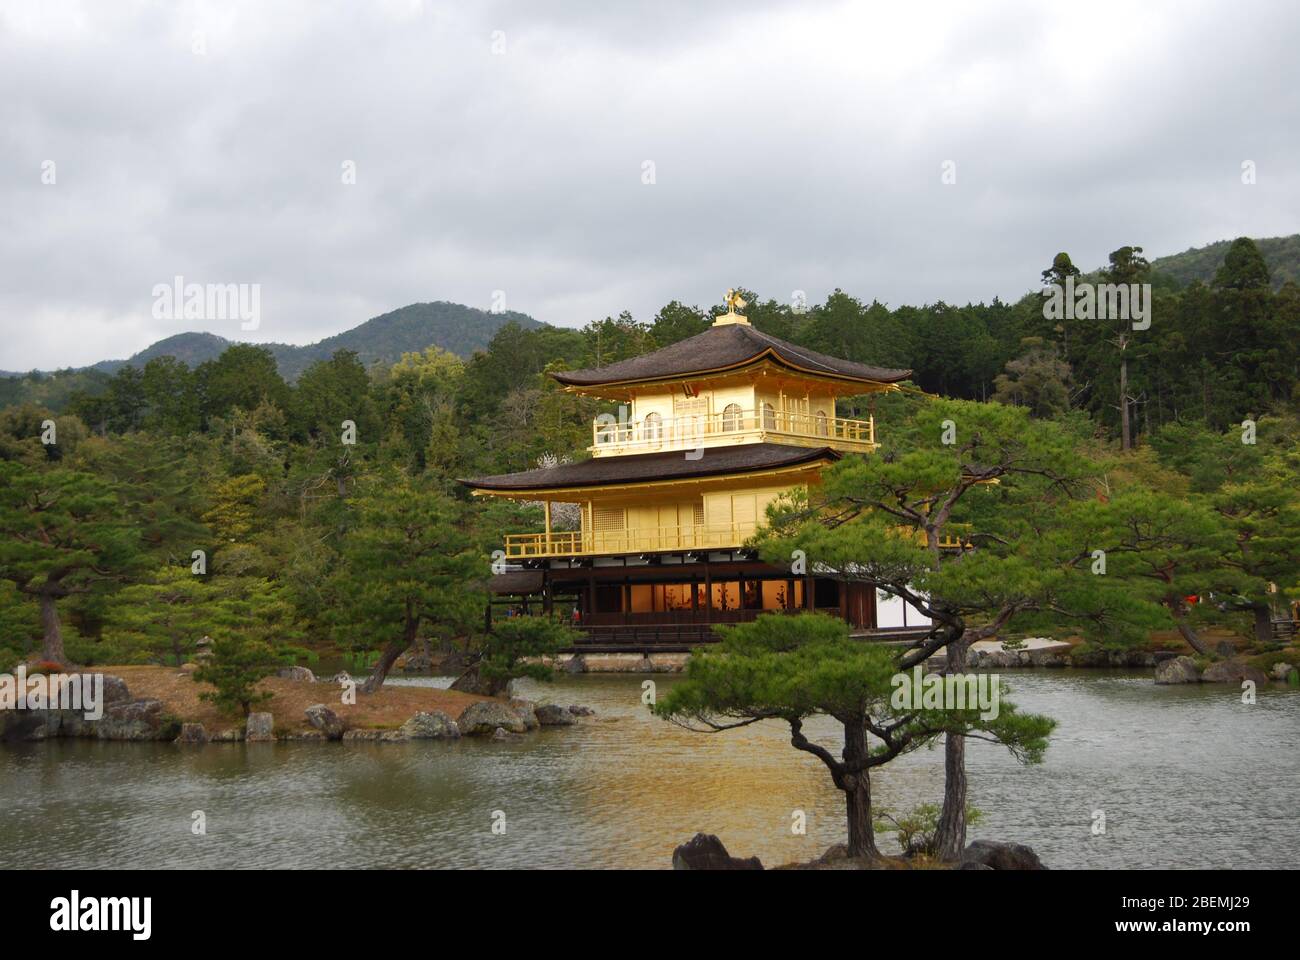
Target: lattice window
[{"x": 690, "y": 406}]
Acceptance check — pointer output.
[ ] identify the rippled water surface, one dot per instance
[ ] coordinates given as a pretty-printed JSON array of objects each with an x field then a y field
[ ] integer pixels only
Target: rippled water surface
[{"x": 1187, "y": 776}]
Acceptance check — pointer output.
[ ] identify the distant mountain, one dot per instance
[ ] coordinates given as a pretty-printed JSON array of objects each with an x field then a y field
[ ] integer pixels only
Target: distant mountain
[
  {"x": 1282, "y": 254},
  {"x": 451, "y": 326},
  {"x": 191, "y": 348}
]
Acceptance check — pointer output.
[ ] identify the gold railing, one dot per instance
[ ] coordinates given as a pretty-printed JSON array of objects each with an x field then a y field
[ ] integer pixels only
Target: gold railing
[
  {"x": 574, "y": 543},
  {"x": 683, "y": 433}
]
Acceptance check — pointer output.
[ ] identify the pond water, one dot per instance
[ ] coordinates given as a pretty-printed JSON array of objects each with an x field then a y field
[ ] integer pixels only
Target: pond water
[{"x": 1187, "y": 776}]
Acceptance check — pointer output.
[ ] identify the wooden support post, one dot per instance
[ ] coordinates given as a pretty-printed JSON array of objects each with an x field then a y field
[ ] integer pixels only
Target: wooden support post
[{"x": 708, "y": 591}]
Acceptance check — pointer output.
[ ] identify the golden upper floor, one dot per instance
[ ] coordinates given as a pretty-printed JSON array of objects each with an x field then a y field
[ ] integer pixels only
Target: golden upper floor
[
  {"x": 730, "y": 385},
  {"x": 742, "y": 413}
]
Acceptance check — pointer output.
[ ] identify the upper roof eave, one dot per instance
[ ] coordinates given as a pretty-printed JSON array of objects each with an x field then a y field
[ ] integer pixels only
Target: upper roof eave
[{"x": 726, "y": 349}]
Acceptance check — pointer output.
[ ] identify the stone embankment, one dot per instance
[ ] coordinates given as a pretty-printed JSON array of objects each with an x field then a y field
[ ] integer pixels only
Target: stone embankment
[{"x": 124, "y": 717}]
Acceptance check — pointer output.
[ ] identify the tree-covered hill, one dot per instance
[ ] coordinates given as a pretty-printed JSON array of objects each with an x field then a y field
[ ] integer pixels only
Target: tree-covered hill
[
  {"x": 381, "y": 340},
  {"x": 453, "y": 327},
  {"x": 1282, "y": 254},
  {"x": 189, "y": 348}
]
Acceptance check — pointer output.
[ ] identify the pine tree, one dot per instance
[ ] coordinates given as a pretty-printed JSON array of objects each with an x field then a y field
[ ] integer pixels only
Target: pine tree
[{"x": 62, "y": 533}]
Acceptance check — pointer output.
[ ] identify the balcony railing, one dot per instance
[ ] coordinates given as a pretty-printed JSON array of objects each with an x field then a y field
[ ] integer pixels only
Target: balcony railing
[
  {"x": 575, "y": 543},
  {"x": 653, "y": 433}
]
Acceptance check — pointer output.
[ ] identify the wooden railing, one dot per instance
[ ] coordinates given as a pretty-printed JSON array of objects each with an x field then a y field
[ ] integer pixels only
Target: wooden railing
[{"x": 683, "y": 433}]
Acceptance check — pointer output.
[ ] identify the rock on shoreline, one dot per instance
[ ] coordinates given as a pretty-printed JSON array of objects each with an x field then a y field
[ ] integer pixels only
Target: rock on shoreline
[
  {"x": 704, "y": 851},
  {"x": 1177, "y": 670},
  {"x": 125, "y": 718},
  {"x": 1184, "y": 670},
  {"x": 482, "y": 719},
  {"x": 997, "y": 855},
  {"x": 1059, "y": 657}
]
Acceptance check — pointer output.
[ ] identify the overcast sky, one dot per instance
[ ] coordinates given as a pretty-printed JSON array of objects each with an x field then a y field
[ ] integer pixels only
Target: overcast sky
[{"x": 503, "y": 147}]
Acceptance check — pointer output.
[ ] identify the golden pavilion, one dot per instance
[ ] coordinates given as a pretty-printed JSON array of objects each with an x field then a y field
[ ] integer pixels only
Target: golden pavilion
[{"x": 713, "y": 429}]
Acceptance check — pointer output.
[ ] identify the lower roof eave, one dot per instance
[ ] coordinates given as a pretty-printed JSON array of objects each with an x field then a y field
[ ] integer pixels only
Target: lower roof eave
[{"x": 640, "y": 470}]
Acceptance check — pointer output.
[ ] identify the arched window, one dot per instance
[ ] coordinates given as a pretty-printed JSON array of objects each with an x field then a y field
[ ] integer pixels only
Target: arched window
[
  {"x": 823, "y": 426},
  {"x": 769, "y": 417},
  {"x": 654, "y": 426},
  {"x": 731, "y": 417}
]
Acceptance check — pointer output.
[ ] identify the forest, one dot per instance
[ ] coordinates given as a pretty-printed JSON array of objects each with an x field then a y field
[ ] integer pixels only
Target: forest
[{"x": 321, "y": 517}]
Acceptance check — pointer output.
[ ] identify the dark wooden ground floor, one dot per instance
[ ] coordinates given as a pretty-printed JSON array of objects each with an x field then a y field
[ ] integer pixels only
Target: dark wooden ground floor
[{"x": 671, "y": 606}]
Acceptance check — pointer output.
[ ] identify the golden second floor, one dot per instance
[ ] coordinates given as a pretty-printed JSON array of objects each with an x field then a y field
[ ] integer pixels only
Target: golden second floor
[
  {"x": 710, "y": 520},
  {"x": 713, "y": 520},
  {"x": 656, "y": 501}
]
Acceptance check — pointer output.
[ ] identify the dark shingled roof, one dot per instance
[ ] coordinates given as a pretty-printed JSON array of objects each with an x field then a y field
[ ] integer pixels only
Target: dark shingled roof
[
  {"x": 729, "y": 345},
  {"x": 644, "y": 467}
]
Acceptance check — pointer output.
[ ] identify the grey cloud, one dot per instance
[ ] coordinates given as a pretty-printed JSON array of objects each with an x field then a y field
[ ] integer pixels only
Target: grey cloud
[{"x": 795, "y": 146}]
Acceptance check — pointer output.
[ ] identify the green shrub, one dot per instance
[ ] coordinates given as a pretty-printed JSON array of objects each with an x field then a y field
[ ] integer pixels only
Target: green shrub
[
  {"x": 361, "y": 661},
  {"x": 517, "y": 647},
  {"x": 1265, "y": 661},
  {"x": 89, "y": 651},
  {"x": 295, "y": 654},
  {"x": 169, "y": 727},
  {"x": 236, "y": 666},
  {"x": 916, "y": 830}
]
